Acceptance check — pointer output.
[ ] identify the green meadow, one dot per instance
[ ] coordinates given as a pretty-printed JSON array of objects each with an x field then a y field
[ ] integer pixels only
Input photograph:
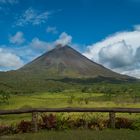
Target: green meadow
[
  {"x": 73, "y": 99},
  {"x": 68, "y": 99}
]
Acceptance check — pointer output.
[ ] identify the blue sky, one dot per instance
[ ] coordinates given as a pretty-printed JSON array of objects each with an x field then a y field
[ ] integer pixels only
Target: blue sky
[{"x": 106, "y": 31}]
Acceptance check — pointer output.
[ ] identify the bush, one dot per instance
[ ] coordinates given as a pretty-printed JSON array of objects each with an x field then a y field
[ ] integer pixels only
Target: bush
[
  {"x": 136, "y": 125},
  {"x": 5, "y": 129},
  {"x": 24, "y": 126},
  {"x": 87, "y": 90},
  {"x": 4, "y": 97},
  {"x": 123, "y": 123},
  {"x": 64, "y": 122},
  {"x": 98, "y": 124},
  {"x": 48, "y": 121}
]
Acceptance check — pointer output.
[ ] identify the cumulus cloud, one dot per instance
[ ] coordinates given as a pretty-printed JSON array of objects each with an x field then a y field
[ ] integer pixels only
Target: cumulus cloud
[
  {"x": 8, "y": 59},
  {"x": 113, "y": 55},
  {"x": 52, "y": 30},
  {"x": 120, "y": 52},
  {"x": 8, "y": 2},
  {"x": 32, "y": 16},
  {"x": 39, "y": 44},
  {"x": 137, "y": 27},
  {"x": 18, "y": 38},
  {"x": 64, "y": 39}
]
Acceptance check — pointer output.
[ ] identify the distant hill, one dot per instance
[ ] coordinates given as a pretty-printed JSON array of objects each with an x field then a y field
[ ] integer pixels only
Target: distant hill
[{"x": 51, "y": 68}]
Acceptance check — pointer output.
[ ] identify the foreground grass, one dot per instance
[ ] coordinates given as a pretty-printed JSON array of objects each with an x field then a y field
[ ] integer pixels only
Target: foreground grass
[{"x": 78, "y": 135}]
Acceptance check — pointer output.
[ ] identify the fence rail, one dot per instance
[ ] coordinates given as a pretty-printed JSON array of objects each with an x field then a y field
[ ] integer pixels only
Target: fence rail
[{"x": 34, "y": 111}]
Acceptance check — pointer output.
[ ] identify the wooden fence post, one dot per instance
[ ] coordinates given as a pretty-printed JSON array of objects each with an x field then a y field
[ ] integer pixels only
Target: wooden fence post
[
  {"x": 34, "y": 121},
  {"x": 112, "y": 119}
]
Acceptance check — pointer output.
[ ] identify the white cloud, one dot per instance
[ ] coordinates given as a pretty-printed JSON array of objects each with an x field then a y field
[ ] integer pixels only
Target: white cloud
[
  {"x": 113, "y": 55},
  {"x": 137, "y": 27},
  {"x": 64, "y": 39},
  {"x": 120, "y": 52},
  {"x": 34, "y": 17},
  {"x": 52, "y": 30},
  {"x": 39, "y": 44},
  {"x": 9, "y": 2},
  {"x": 134, "y": 73},
  {"x": 18, "y": 38},
  {"x": 8, "y": 59}
]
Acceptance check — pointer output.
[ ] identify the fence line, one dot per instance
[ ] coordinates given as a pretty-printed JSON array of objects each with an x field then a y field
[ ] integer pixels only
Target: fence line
[{"x": 34, "y": 112}]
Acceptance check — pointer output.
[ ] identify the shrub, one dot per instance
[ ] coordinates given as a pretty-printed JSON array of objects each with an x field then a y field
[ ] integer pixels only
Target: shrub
[
  {"x": 63, "y": 122},
  {"x": 5, "y": 129},
  {"x": 24, "y": 126},
  {"x": 4, "y": 97},
  {"x": 136, "y": 125},
  {"x": 87, "y": 90},
  {"x": 80, "y": 123},
  {"x": 123, "y": 123},
  {"x": 48, "y": 121},
  {"x": 98, "y": 124}
]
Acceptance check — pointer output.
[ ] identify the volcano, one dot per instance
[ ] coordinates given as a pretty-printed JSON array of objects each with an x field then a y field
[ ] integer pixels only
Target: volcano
[
  {"x": 62, "y": 67},
  {"x": 67, "y": 62}
]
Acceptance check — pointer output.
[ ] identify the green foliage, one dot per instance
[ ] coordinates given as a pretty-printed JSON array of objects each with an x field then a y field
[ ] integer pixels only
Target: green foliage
[
  {"x": 22, "y": 83},
  {"x": 66, "y": 122},
  {"x": 136, "y": 125},
  {"x": 4, "y": 97},
  {"x": 48, "y": 121}
]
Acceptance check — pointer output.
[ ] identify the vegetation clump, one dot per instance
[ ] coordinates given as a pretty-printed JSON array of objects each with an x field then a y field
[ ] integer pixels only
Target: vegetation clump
[{"x": 68, "y": 122}]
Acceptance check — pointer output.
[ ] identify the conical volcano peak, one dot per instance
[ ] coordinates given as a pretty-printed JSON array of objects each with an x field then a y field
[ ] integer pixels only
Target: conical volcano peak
[
  {"x": 60, "y": 46},
  {"x": 67, "y": 62},
  {"x": 61, "y": 49}
]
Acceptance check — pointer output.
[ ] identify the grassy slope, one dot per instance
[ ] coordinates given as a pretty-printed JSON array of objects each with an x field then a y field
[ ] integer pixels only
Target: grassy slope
[
  {"x": 23, "y": 83},
  {"x": 79, "y": 135}
]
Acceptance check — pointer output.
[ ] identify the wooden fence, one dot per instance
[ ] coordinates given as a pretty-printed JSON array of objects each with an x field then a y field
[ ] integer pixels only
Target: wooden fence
[{"x": 34, "y": 111}]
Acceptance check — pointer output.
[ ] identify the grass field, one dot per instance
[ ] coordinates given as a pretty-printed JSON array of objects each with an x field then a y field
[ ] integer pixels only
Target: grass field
[
  {"x": 78, "y": 135},
  {"x": 50, "y": 100}
]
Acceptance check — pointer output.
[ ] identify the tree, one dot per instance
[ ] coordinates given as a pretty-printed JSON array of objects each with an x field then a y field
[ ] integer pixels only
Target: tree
[{"x": 4, "y": 96}]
